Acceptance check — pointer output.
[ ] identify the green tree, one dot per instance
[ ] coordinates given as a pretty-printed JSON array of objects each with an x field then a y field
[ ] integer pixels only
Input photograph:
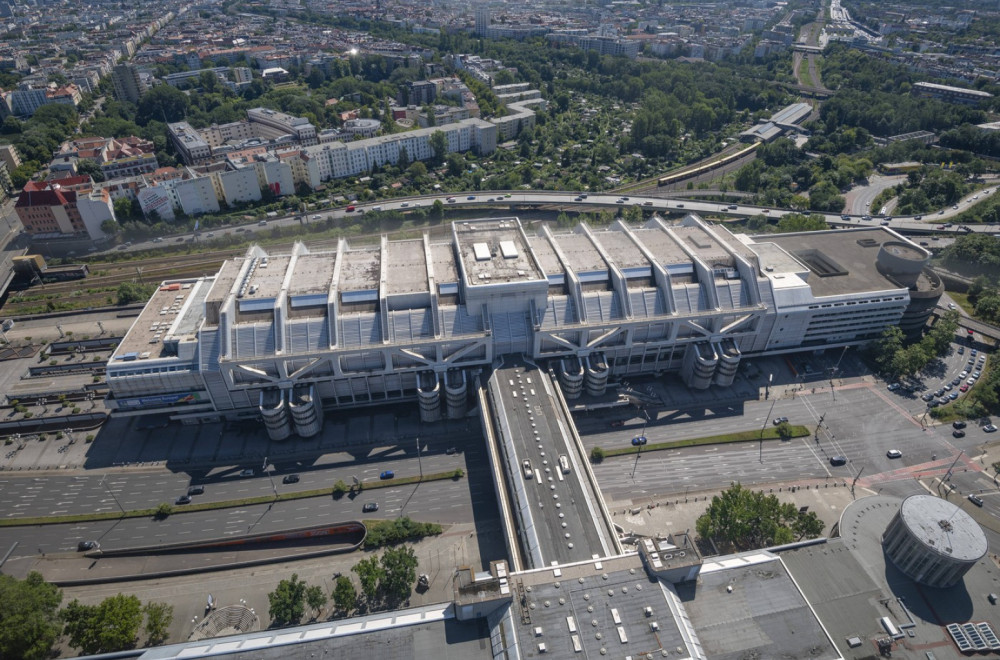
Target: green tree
[
  {"x": 416, "y": 170},
  {"x": 791, "y": 222},
  {"x": 807, "y": 525},
  {"x": 596, "y": 455},
  {"x": 456, "y": 164},
  {"x": 29, "y": 624},
  {"x": 400, "y": 573},
  {"x": 784, "y": 430},
  {"x": 370, "y": 573},
  {"x": 130, "y": 292},
  {"x": 741, "y": 519},
  {"x": 345, "y": 598},
  {"x": 163, "y": 103},
  {"x": 315, "y": 598},
  {"x": 90, "y": 168},
  {"x": 439, "y": 144},
  {"x": 287, "y": 601},
  {"x": 437, "y": 209},
  {"x": 159, "y": 616},
  {"x": 123, "y": 209},
  {"x": 105, "y": 628}
]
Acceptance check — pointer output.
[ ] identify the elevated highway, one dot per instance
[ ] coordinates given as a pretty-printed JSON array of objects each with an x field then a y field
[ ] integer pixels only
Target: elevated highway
[{"x": 552, "y": 509}]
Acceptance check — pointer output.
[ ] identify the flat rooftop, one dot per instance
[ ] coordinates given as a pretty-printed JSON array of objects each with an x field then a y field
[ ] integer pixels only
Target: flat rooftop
[
  {"x": 406, "y": 266},
  {"x": 855, "y": 251},
  {"x": 851, "y": 585},
  {"x": 359, "y": 269},
  {"x": 748, "y": 606},
  {"x": 600, "y": 605},
  {"x": 494, "y": 251},
  {"x": 313, "y": 273},
  {"x": 162, "y": 316}
]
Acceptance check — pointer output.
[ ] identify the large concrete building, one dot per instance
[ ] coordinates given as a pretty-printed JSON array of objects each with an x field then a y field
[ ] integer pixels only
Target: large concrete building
[
  {"x": 421, "y": 318},
  {"x": 128, "y": 83}
]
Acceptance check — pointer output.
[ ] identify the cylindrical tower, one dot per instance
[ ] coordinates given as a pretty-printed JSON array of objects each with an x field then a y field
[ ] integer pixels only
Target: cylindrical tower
[
  {"x": 729, "y": 362},
  {"x": 306, "y": 409},
  {"x": 597, "y": 374},
  {"x": 429, "y": 396},
  {"x": 571, "y": 377},
  {"x": 933, "y": 541},
  {"x": 902, "y": 261},
  {"x": 456, "y": 393},
  {"x": 275, "y": 414},
  {"x": 698, "y": 367}
]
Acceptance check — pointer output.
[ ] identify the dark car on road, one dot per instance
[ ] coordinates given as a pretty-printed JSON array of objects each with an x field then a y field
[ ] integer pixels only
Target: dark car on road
[
  {"x": 290, "y": 479},
  {"x": 183, "y": 499},
  {"x": 83, "y": 546},
  {"x": 838, "y": 460},
  {"x": 975, "y": 499},
  {"x": 779, "y": 420},
  {"x": 958, "y": 433},
  {"x": 196, "y": 490},
  {"x": 387, "y": 474},
  {"x": 370, "y": 507}
]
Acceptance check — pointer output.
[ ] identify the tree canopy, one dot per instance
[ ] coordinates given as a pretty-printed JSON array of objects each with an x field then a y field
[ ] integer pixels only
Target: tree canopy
[
  {"x": 110, "y": 626},
  {"x": 288, "y": 601},
  {"x": 29, "y": 625},
  {"x": 742, "y": 519}
]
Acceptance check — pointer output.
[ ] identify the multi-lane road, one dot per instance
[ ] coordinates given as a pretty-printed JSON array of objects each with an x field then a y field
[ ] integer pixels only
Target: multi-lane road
[{"x": 928, "y": 223}]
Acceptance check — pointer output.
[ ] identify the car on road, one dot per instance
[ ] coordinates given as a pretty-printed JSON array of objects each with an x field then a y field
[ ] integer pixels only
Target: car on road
[
  {"x": 247, "y": 472},
  {"x": 918, "y": 217},
  {"x": 317, "y": 217},
  {"x": 680, "y": 205},
  {"x": 638, "y": 441},
  {"x": 975, "y": 499},
  {"x": 451, "y": 200},
  {"x": 290, "y": 479},
  {"x": 989, "y": 428},
  {"x": 387, "y": 474},
  {"x": 196, "y": 490},
  {"x": 647, "y": 203},
  {"x": 894, "y": 453},
  {"x": 157, "y": 240},
  {"x": 969, "y": 332},
  {"x": 183, "y": 499},
  {"x": 370, "y": 507},
  {"x": 838, "y": 460},
  {"x": 958, "y": 433},
  {"x": 952, "y": 306},
  {"x": 451, "y": 450},
  {"x": 471, "y": 197},
  {"x": 404, "y": 205},
  {"x": 83, "y": 546},
  {"x": 779, "y": 420},
  {"x": 526, "y": 466},
  {"x": 350, "y": 208}
]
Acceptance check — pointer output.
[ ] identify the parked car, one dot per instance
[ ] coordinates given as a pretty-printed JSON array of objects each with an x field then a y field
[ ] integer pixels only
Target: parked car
[
  {"x": 894, "y": 453},
  {"x": 290, "y": 479},
  {"x": 958, "y": 433},
  {"x": 892, "y": 387},
  {"x": 369, "y": 507},
  {"x": 989, "y": 428},
  {"x": 387, "y": 474},
  {"x": 838, "y": 460},
  {"x": 958, "y": 424}
]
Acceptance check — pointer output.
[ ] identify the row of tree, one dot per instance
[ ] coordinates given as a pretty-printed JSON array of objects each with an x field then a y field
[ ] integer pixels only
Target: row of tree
[
  {"x": 31, "y": 621},
  {"x": 895, "y": 358},
  {"x": 386, "y": 581}
]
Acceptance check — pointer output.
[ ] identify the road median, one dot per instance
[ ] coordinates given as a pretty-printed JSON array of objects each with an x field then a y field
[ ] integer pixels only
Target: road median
[
  {"x": 210, "y": 506},
  {"x": 772, "y": 433}
]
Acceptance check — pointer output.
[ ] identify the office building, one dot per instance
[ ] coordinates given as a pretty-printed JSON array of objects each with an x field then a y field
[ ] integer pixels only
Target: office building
[{"x": 128, "y": 84}]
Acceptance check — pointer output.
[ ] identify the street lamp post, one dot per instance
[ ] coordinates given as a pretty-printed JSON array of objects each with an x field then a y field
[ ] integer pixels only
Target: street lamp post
[
  {"x": 420, "y": 463},
  {"x": 112, "y": 493},
  {"x": 763, "y": 427},
  {"x": 270, "y": 478},
  {"x": 638, "y": 441}
]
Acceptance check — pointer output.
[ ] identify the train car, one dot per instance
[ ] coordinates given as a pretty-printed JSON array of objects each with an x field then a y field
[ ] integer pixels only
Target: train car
[{"x": 708, "y": 167}]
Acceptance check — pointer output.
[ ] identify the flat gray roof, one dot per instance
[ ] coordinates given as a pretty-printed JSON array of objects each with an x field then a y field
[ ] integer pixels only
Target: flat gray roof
[
  {"x": 764, "y": 615},
  {"x": 312, "y": 273},
  {"x": 854, "y": 250},
  {"x": 407, "y": 266},
  {"x": 592, "y": 594}
]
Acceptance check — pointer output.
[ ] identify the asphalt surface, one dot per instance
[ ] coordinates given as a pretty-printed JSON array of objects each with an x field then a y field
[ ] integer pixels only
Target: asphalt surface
[{"x": 564, "y": 509}]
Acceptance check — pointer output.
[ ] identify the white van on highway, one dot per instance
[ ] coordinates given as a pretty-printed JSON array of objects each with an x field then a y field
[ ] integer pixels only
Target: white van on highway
[{"x": 564, "y": 463}]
